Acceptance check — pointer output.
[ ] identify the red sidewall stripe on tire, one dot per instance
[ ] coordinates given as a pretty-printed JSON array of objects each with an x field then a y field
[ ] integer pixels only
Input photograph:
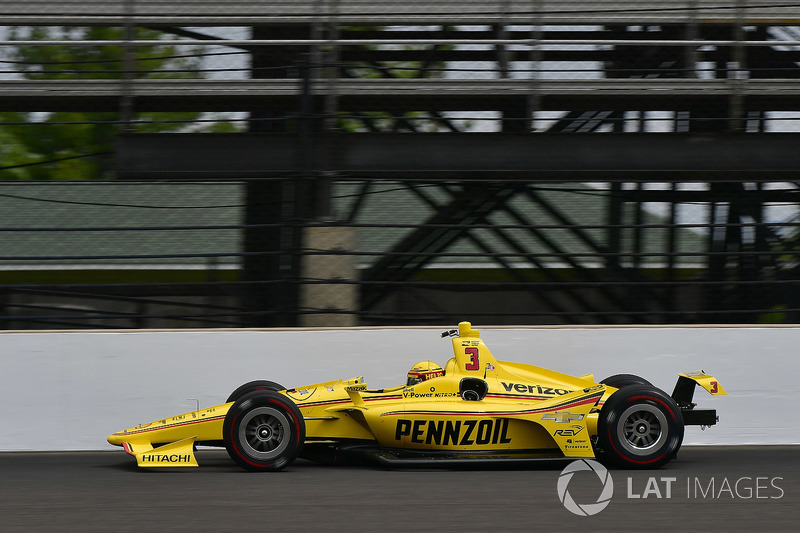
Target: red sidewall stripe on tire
[
  {"x": 294, "y": 419},
  {"x": 649, "y": 461},
  {"x": 241, "y": 454},
  {"x": 238, "y": 451},
  {"x": 652, "y": 398}
]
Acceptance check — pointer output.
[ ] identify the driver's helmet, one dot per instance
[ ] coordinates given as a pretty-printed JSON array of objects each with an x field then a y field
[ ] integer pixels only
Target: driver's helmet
[{"x": 423, "y": 371}]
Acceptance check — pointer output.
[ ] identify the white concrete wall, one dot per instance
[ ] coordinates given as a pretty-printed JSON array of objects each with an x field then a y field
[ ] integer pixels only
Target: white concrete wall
[{"x": 68, "y": 391}]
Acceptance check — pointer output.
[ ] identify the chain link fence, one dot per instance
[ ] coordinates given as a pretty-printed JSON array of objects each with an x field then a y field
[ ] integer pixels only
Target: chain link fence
[{"x": 105, "y": 224}]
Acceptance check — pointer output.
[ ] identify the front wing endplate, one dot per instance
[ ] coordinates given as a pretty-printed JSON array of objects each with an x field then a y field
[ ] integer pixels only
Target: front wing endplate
[{"x": 175, "y": 454}]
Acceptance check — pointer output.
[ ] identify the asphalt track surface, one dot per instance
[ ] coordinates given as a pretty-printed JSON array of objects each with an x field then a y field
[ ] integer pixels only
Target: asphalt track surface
[{"x": 754, "y": 489}]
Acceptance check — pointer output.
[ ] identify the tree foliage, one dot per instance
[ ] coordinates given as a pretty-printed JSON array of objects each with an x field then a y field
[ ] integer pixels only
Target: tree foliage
[{"x": 78, "y": 145}]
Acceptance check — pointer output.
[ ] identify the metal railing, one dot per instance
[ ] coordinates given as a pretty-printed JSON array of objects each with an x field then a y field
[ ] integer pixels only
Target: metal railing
[
  {"x": 538, "y": 257},
  {"x": 385, "y": 12},
  {"x": 414, "y": 250}
]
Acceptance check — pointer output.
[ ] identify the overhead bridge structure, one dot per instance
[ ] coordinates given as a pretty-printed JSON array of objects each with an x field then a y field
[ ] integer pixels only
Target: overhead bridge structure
[
  {"x": 430, "y": 160},
  {"x": 221, "y": 13}
]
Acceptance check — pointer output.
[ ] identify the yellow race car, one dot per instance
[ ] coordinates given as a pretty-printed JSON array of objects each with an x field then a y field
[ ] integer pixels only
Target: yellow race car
[{"x": 474, "y": 409}]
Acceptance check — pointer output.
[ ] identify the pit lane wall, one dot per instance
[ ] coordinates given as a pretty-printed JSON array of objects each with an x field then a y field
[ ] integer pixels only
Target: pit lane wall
[{"x": 69, "y": 390}]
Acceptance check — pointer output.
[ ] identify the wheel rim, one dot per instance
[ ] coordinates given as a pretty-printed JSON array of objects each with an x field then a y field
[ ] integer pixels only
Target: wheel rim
[
  {"x": 643, "y": 429},
  {"x": 264, "y": 432}
]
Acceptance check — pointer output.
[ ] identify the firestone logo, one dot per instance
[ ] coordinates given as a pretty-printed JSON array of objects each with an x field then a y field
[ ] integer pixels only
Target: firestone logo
[{"x": 585, "y": 509}]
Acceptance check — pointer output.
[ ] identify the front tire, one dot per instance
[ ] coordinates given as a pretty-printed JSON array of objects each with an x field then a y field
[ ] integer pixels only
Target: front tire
[
  {"x": 263, "y": 431},
  {"x": 252, "y": 386},
  {"x": 640, "y": 426}
]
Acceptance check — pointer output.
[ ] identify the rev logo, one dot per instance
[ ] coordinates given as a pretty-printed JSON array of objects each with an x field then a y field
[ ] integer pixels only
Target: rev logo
[{"x": 571, "y": 432}]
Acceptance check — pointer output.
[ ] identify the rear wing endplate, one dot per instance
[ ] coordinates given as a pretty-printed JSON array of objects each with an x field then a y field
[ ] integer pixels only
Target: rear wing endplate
[{"x": 683, "y": 394}]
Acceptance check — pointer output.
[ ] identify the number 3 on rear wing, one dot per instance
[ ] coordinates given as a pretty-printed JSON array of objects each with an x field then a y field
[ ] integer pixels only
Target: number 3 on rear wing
[{"x": 684, "y": 393}]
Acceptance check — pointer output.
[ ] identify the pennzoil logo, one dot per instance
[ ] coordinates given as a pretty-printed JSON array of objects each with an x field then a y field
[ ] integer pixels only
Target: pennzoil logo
[
  {"x": 563, "y": 416},
  {"x": 454, "y": 432}
]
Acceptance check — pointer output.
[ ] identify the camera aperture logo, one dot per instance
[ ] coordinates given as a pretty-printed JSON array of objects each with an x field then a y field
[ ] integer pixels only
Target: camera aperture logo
[{"x": 585, "y": 509}]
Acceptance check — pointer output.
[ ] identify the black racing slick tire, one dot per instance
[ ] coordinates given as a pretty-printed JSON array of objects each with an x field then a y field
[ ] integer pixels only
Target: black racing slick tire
[
  {"x": 252, "y": 386},
  {"x": 640, "y": 426},
  {"x": 263, "y": 431},
  {"x": 619, "y": 381}
]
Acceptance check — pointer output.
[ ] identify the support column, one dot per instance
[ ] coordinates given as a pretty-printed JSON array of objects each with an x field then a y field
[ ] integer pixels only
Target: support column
[
  {"x": 328, "y": 298},
  {"x": 270, "y": 299}
]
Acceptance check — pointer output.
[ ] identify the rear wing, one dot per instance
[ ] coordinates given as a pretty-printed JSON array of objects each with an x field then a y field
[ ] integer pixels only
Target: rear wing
[{"x": 683, "y": 394}]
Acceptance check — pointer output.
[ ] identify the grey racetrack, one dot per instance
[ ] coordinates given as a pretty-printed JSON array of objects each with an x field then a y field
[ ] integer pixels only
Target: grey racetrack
[{"x": 710, "y": 489}]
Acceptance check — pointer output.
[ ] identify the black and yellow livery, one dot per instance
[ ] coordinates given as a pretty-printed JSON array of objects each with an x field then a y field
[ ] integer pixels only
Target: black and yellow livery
[{"x": 475, "y": 408}]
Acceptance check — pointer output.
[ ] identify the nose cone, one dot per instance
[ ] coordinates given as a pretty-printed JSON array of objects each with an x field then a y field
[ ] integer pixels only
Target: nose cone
[{"x": 117, "y": 438}]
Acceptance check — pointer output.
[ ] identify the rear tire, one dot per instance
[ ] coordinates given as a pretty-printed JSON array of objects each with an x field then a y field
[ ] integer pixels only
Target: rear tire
[
  {"x": 263, "y": 431},
  {"x": 640, "y": 426},
  {"x": 252, "y": 386},
  {"x": 619, "y": 381}
]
